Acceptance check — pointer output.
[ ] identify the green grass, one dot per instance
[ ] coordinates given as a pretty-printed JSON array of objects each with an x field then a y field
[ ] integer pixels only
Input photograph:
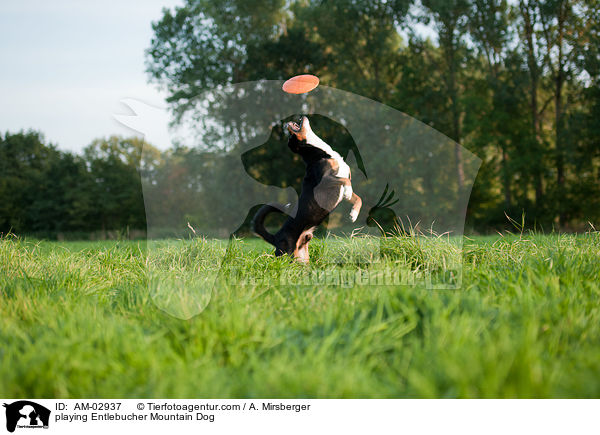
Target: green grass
[{"x": 77, "y": 319}]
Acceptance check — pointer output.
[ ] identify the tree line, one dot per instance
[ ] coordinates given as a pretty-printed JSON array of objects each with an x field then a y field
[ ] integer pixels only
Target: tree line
[{"x": 47, "y": 192}]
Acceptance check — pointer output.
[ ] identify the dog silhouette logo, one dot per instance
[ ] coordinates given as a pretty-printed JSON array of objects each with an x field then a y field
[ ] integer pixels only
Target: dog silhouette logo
[
  {"x": 234, "y": 158},
  {"x": 25, "y": 414}
]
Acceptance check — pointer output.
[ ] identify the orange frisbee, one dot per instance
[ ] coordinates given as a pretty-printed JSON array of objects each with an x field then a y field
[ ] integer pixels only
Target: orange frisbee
[{"x": 301, "y": 84}]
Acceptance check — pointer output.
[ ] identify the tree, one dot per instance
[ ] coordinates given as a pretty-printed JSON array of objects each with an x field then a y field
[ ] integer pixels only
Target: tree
[
  {"x": 528, "y": 19},
  {"x": 449, "y": 18},
  {"x": 490, "y": 32},
  {"x": 28, "y": 200},
  {"x": 113, "y": 164},
  {"x": 363, "y": 46},
  {"x": 560, "y": 28},
  {"x": 204, "y": 44}
]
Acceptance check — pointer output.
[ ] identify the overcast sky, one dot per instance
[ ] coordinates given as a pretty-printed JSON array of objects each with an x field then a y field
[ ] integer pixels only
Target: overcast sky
[{"x": 65, "y": 64}]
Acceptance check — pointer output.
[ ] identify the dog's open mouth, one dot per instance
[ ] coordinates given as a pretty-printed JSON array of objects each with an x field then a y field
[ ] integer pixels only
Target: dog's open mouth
[{"x": 296, "y": 126}]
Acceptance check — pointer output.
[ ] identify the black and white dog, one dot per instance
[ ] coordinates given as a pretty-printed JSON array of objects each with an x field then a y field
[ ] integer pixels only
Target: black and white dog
[{"x": 325, "y": 184}]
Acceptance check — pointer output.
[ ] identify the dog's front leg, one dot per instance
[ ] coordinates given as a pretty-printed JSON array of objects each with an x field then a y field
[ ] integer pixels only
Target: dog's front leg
[
  {"x": 348, "y": 192},
  {"x": 356, "y": 205},
  {"x": 346, "y": 187},
  {"x": 351, "y": 197},
  {"x": 332, "y": 189}
]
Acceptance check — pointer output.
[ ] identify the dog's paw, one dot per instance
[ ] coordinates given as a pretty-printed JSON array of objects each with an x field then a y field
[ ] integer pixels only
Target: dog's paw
[
  {"x": 353, "y": 215},
  {"x": 347, "y": 193}
]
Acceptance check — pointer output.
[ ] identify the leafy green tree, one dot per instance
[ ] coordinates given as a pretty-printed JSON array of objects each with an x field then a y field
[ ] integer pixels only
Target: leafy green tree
[
  {"x": 449, "y": 18},
  {"x": 204, "y": 44},
  {"x": 363, "y": 45},
  {"x": 113, "y": 164},
  {"x": 30, "y": 199}
]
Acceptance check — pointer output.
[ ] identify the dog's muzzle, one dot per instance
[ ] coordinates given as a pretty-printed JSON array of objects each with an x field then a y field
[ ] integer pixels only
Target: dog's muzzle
[{"x": 295, "y": 127}]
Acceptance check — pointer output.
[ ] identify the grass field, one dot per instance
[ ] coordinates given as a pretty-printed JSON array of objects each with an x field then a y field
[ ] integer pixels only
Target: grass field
[{"x": 77, "y": 320}]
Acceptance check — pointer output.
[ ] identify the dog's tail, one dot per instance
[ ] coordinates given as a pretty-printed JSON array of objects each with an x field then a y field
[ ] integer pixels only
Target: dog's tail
[{"x": 259, "y": 221}]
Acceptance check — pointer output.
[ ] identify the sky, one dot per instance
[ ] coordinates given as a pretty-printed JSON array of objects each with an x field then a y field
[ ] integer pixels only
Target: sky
[{"x": 65, "y": 65}]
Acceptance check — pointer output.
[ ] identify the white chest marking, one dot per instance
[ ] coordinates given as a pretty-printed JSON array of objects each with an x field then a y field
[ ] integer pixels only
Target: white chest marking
[{"x": 316, "y": 141}]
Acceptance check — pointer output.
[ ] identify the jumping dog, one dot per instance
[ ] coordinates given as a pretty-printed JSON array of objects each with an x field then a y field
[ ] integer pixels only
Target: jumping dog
[{"x": 326, "y": 183}]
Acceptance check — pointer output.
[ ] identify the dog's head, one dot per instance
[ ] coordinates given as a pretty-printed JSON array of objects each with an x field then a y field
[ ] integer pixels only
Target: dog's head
[
  {"x": 299, "y": 129},
  {"x": 303, "y": 140}
]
